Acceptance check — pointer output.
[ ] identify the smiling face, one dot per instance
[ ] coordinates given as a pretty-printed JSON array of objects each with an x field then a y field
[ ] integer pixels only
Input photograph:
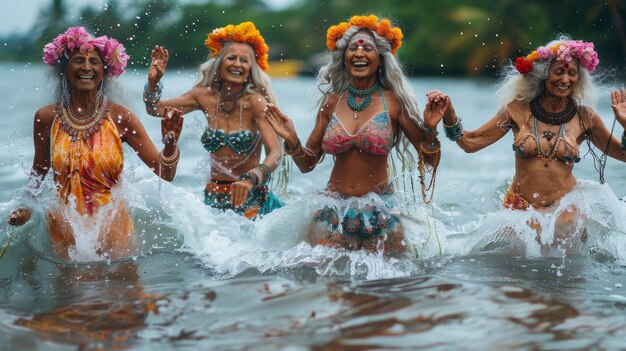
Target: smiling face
[
  {"x": 361, "y": 56},
  {"x": 235, "y": 64},
  {"x": 85, "y": 71},
  {"x": 562, "y": 78}
]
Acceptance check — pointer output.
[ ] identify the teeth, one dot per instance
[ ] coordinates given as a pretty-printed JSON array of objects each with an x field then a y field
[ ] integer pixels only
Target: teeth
[
  {"x": 359, "y": 64},
  {"x": 85, "y": 77},
  {"x": 237, "y": 73},
  {"x": 562, "y": 87}
]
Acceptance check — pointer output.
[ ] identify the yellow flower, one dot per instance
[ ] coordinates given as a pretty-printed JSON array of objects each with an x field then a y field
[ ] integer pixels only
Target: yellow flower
[
  {"x": 244, "y": 32},
  {"x": 382, "y": 28}
]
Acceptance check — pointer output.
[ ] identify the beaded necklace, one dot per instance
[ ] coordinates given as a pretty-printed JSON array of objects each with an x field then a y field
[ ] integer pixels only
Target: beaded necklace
[
  {"x": 366, "y": 94},
  {"x": 227, "y": 101},
  {"x": 550, "y": 155},
  {"x": 82, "y": 128},
  {"x": 553, "y": 118}
]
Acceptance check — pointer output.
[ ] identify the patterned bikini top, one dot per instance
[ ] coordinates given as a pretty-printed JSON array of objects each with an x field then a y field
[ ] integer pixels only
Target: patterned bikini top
[
  {"x": 527, "y": 142},
  {"x": 242, "y": 142},
  {"x": 375, "y": 136}
]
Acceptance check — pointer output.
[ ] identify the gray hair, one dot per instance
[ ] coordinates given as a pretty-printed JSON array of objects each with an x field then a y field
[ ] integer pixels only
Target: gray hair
[
  {"x": 515, "y": 86},
  {"x": 334, "y": 79},
  {"x": 259, "y": 80}
]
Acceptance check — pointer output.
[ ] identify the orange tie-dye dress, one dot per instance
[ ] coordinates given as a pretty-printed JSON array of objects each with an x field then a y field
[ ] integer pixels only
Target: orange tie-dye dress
[{"x": 85, "y": 171}]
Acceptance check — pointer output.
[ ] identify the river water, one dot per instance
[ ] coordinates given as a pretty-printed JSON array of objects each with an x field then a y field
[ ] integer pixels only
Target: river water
[{"x": 475, "y": 278}]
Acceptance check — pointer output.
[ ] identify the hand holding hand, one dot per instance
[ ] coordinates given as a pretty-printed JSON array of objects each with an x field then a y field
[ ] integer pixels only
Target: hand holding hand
[
  {"x": 19, "y": 217},
  {"x": 437, "y": 106},
  {"x": 282, "y": 125},
  {"x": 157, "y": 65},
  {"x": 618, "y": 101},
  {"x": 171, "y": 125},
  {"x": 239, "y": 192}
]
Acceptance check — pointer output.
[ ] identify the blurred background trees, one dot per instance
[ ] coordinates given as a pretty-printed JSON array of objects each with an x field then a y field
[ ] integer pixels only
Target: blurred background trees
[{"x": 443, "y": 37}]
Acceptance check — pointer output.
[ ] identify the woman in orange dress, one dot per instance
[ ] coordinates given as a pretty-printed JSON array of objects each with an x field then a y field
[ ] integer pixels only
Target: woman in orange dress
[{"x": 80, "y": 138}]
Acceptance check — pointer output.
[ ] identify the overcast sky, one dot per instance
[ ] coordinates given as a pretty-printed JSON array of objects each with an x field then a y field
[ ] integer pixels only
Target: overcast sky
[{"x": 19, "y": 15}]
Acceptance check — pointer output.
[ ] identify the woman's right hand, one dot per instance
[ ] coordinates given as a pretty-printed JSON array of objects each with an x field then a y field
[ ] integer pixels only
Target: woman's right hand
[
  {"x": 441, "y": 107},
  {"x": 157, "y": 66},
  {"x": 19, "y": 217},
  {"x": 282, "y": 125}
]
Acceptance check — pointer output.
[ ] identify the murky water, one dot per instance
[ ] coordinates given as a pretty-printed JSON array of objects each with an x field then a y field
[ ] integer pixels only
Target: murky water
[{"x": 475, "y": 277}]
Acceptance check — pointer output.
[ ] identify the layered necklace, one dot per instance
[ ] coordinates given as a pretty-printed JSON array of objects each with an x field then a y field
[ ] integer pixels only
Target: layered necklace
[
  {"x": 365, "y": 94},
  {"x": 82, "y": 124},
  {"x": 227, "y": 100},
  {"x": 551, "y": 119}
]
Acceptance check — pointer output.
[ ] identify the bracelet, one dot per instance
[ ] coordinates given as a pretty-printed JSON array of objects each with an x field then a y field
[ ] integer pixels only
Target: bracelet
[
  {"x": 296, "y": 152},
  {"x": 151, "y": 98},
  {"x": 267, "y": 172},
  {"x": 251, "y": 177},
  {"x": 430, "y": 148},
  {"x": 171, "y": 160},
  {"x": 430, "y": 131},
  {"x": 623, "y": 146},
  {"x": 455, "y": 131}
]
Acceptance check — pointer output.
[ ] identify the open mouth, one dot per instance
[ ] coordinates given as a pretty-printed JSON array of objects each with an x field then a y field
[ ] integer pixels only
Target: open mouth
[
  {"x": 86, "y": 78},
  {"x": 562, "y": 87},
  {"x": 235, "y": 73},
  {"x": 360, "y": 64}
]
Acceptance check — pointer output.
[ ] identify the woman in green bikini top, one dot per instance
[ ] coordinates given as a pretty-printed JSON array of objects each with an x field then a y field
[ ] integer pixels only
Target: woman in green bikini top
[{"x": 232, "y": 91}]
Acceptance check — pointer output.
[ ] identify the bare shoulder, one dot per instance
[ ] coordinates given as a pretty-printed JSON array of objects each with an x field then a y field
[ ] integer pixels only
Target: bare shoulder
[
  {"x": 329, "y": 104},
  {"x": 256, "y": 101},
  {"x": 45, "y": 115},
  {"x": 122, "y": 116}
]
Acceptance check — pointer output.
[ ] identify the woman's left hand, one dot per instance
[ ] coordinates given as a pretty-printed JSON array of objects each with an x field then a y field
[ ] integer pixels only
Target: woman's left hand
[
  {"x": 239, "y": 192},
  {"x": 171, "y": 125},
  {"x": 618, "y": 101},
  {"x": 436, "y": 107}
]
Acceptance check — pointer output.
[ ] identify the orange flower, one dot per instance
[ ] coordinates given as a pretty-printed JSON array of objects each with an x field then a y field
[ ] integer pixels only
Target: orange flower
[
  {"x": 533, "y": 56},
  {"x": 382, "y": 28},
  {"x": 244, "y": 32}
]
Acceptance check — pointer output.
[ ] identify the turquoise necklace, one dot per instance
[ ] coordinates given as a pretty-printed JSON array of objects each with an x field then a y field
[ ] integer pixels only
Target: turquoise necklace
[{"x": 366, "y": 94}]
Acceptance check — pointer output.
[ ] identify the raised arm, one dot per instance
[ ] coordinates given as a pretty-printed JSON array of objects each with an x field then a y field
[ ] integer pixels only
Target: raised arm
[
  {"x": 601, "y": 136},
  {"x": 162, "y": 163},
  {"x": 424, "y": 139},
  {"x": 305, "y": 157},
  {"x": 473, "y": 140},
  {"x": 152, "y": 91}
]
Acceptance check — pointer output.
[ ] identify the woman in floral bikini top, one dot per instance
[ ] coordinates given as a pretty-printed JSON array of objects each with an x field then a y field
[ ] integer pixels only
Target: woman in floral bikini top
[{"x": 365, "y": 112}]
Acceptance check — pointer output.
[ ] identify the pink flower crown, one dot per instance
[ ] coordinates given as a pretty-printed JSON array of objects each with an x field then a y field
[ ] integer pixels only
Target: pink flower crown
[
  {"x": 77, "y": 38},
  {"x": 564, "y": 51}
]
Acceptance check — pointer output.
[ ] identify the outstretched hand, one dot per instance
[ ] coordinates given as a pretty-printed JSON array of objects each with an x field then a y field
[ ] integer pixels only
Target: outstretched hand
[
  {"x": 171, "y": 125},
  {"x": 438, "y": 105},
  {"x": 157, "y": 65},
  {"x": 282, "y": 125},
  {"x": 618, "y": 101}
]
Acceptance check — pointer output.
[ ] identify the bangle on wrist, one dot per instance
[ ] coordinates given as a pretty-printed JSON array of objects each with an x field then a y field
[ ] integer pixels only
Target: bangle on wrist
[
  {"x": 170, "y": 161},
  {"x": 455, "y": 131}
]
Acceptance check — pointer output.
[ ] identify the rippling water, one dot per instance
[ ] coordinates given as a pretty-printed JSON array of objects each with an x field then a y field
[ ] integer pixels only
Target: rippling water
[{"x": 475, "y": 277}]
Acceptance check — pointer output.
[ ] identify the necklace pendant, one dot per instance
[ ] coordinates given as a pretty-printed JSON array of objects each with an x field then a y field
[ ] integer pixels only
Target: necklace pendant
[
  {"x": 356, "y": 114},
  {"x": 548, "y": 134}
]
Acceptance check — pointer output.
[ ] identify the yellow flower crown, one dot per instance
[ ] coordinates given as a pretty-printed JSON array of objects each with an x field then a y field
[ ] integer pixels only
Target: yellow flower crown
[
  {"x": 383, "y": 28},
  {"x": 244, "y": 32}
]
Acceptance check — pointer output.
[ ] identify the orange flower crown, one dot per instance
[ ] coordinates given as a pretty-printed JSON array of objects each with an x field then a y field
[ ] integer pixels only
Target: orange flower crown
[
  {"x": 244, "y": 32},
  {"x": 382, "y": 28}
]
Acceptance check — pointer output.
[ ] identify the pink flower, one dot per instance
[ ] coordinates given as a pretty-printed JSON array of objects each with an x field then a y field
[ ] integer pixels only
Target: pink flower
[
  {"x": 77, "y": 38},
  {"x": 564, "y": 53},
  {"x": 544, "y": 52}
]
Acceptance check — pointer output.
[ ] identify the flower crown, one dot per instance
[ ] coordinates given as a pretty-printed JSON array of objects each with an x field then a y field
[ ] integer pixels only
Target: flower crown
[
  {"x": 563, "y": 51},
  {"x": 382, "y": 28},
  {"x": 77, "y": 38},
  {"x": 244, "y": 32}
]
